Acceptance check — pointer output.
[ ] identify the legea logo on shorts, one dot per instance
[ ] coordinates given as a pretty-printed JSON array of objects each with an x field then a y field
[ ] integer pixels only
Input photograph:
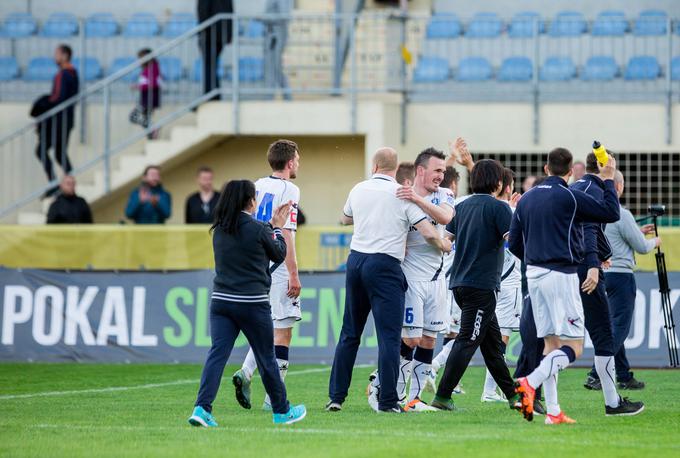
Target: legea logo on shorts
[{"x": 478, "y": 325}]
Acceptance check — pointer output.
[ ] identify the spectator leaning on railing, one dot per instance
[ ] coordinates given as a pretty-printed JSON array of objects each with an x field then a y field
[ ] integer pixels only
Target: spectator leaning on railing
[
  {"x": 149, "y": 203},
  {"x": 68, "y": 208}
]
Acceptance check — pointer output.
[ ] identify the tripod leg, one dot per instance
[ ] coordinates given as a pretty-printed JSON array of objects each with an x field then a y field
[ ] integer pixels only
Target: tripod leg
[{"x": 667, "y": 309}]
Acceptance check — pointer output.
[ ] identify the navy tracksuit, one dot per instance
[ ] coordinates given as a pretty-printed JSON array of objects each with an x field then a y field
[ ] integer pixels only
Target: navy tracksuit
[
  {"x": 596, "y": 251},
  {"x": 374, "y": 283},
  {"x": 532, "y": 347}
]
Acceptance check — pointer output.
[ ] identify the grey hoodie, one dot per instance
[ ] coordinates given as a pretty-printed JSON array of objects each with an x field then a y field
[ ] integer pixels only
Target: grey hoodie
[{"x": 626, "y": 238}]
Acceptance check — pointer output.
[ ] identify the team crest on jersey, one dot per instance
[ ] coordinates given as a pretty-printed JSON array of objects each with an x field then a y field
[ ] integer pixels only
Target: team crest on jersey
[{"x": 435, "y": 200}]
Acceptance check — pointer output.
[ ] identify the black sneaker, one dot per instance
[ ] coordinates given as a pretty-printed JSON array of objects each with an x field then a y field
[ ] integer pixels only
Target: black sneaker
[
  {"x": 333, "y": 406},
  {"x": 632, "y": 384},
  {"x": 397, "y": 409},
  {"x": 592, "y": 383},
  {"x": 538, "y": 407},
  {"x": 626, "y": 408}
]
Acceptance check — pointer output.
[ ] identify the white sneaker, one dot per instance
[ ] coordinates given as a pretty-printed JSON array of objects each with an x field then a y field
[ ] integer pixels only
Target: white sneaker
[
  {"x": 458, "y": 389},
  {"x": 419, "y": 406},
  {"x": 493, "y": 397}
]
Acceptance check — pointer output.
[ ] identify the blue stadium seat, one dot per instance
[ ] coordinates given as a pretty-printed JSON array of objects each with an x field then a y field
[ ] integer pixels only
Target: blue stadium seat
[
  {"x": 92, "y": 68},
  {"x": 254, "y": 29},
  {"x": 122, "y": 62},
  {"x": 600, "y": 68},
  {"x": 484, "y": 25},
  {"x": 474, "y": 69},
  {"x": 40, "y": 69},
  {"x": 60, "y": 25},
  {"x": 431, "y": 70},
  {"x": 178, "y": 24},
  {"x": 568, "y": 24},
  {"x": 197, "y": 73},
  {"x": 675, "y": 68},
  {"x": 558, "y": 69},
  {"x": 610, "y": 23},
  {"x": 250, "y": 69},
  {"x": 524, "y": 24},
  {"x": 516, "y": 69},
  {"x": 171, "y": 68},
  {"x": 19, "y": 25},
  {"x": 651, "y": 23},
  {"x": 642, "y": 68},
  {"x": 101, "y": 25},
  {"x": 9, "y": 68},
  {"x": 141, "y": 25},
  {"x": 443, "y": 26}
]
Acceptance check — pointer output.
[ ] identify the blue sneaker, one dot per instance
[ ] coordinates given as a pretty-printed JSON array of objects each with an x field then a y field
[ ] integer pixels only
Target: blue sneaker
[
  {"x": 294, "y": 414},
  {"x": 202, "y": 417}
]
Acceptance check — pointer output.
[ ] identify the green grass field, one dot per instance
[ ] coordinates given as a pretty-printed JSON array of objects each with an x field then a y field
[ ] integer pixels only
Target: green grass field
[{"x": 141, "y": 410}]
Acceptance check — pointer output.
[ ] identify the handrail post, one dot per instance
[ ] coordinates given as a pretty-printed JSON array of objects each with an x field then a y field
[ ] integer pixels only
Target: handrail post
[
  {"x": 107, "y": 138},
  {"x": 669, "y": 83},
  {"x": 353, "y": 75},
  {"x": 83, "y": 80},
  {"x": 536, "y": 87},
  {"x": 235, "y": 74}
]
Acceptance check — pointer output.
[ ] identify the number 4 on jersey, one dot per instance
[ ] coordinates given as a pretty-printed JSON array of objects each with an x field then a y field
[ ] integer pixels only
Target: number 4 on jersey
[{"x": 265, "y": 210}]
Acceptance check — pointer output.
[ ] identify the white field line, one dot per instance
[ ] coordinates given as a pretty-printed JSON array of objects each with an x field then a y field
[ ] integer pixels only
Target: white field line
[{"x": 135, "y": 387}]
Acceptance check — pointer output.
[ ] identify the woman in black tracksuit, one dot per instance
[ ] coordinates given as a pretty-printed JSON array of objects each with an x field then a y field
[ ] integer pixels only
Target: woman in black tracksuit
[{"x": 243, "y": 249}]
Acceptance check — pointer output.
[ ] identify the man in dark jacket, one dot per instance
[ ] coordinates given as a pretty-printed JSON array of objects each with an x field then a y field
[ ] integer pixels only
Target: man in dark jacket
[
  {"x": 200, "y": 207},
  {"x": 213, "y": 39},
  {"x": 149, "y": 203},
  {"x": 68, "y": 208},
  {"x": 55, "y": 130}
]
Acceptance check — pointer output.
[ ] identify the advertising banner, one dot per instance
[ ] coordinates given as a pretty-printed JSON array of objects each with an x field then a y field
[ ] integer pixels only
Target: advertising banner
[{"x": 95, "y": 316}]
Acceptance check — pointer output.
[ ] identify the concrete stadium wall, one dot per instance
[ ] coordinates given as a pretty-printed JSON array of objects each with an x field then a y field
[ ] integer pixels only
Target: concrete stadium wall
[{"x": 329, "y": 168}]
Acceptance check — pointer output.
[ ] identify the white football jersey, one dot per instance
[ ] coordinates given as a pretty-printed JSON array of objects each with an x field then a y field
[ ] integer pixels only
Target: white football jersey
[
  {"x": 423, "y": 262},
  {"x": 511, "y": 275},
  {"x": 271, "y": 193}
]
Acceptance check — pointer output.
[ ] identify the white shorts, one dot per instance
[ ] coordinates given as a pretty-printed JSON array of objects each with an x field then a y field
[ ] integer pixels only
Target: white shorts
[
  {"x": 508, "y": 309},
  {"x": 424, "y": 308},
  {"x": 285, "y": 311},
  {"x": 556, "y": 303},
  {"x": 454, "y": 314}
]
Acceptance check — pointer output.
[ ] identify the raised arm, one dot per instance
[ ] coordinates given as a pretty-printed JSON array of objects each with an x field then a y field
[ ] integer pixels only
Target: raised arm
[
  {"x": 632, "y": 234},
  {"x": 605, "y": 211}
]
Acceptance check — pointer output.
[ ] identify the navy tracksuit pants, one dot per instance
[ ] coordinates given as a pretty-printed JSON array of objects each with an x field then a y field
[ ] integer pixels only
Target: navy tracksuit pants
[
  {"x": 374, "y": 283},
  {"x": 597, "y": 319},
  {"x": 621, "y": 292},
  {"x": 532, "y": 347},
  {"x": 227, "y": 319}
]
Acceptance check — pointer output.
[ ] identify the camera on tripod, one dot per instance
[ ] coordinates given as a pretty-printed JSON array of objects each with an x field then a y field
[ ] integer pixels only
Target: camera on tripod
[{"x": 656, "y": 210}]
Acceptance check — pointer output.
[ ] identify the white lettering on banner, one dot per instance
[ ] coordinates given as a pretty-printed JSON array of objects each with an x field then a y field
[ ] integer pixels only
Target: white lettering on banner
[
  {"x": 639, "y": 321},
  {"x": 138, "y": 306},
  {"x": 40, "y": 307},
  {"x": 656, "y": 322},
  {"x": 76, "y": 315},
  {"x": 113, "y": 311},
  {"x": 10, "y": 314}
]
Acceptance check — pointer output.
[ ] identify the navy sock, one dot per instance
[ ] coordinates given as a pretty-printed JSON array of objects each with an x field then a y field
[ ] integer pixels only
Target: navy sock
[
  {"x": 406, "y": 351},
  {"x": 281, "y": 352},
  {"x": 571, "y": 354},
  {"x": 504, "y": 346},
  {"x": 424, "y": 355},
  {"x": 448, "y": 339}
]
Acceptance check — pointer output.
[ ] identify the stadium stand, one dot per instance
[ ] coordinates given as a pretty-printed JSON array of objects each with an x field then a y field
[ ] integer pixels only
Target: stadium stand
[
  {"x": 444, "y": 26},
  {"x": 19, "y": 25},
  {"x": 600, "y": 68},
  {"x": 9, "y": 69},
  {"x": 120, "y": 63},
  {"x": 558, "y": 69},
  {"x": 474, "y": 69},
  {"x": 484, "y": 25},
  {"x": 568, "y": 24},
  {"x": 40, "y": 69},
  {"x": 431, "y": 70},
  {"x": 610, "y": 23},
  {"x": 91, "y": 66},
  {"x": 178, "y": 24},
  {"x": 525, "y": 25},
  {"x": 101, "y": 25},
  {"x": 141, "y": 25},
  {"x": 517, "y": 69},
  {"x": 651, "y": 23},
  {"x": 60, "y": 25},
  {"x": 642, "y": 68}
]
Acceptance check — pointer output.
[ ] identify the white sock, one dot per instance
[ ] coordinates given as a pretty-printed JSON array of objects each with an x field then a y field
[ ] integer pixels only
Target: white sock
[
  {"x": 440, "y": 360},
  {"x": 405, "y": 366},
  {"x": 551, "y": 364},
  {"x": 283, "y": 370},
  {"x": 249, "y": 364},
  {"x": 489, "y": 383},
  {"x": 421, "y": 372},
  {"x": 550, "y": 393},
  {"x": 604, "y": 365}
]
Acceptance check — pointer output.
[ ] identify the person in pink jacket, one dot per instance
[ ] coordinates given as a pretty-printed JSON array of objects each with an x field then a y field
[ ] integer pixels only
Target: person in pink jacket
[{"x": 149, "y": 85}]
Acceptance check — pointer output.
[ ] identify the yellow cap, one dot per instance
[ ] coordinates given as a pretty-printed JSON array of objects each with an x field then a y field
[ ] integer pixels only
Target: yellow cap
[{"x": 600, "y": 153}]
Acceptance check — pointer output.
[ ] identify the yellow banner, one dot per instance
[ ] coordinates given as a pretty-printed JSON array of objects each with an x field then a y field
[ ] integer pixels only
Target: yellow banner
[{"x": 109, "y": 247}]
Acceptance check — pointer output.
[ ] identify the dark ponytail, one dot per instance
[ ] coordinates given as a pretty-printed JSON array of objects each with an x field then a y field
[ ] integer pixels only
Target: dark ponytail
[{"x": 235, "y": 197}]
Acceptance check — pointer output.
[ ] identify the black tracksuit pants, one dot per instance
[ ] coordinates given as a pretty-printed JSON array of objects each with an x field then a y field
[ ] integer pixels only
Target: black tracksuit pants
[{"x": 478, "y": 329}]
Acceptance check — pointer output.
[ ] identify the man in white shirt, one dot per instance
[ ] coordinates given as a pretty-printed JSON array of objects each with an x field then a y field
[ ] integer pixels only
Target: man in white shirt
[{"x": 374, "y": 281}]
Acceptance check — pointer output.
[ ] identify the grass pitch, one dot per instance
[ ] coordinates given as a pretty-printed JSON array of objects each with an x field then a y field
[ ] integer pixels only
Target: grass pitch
[{"x": 142, "y": 410}]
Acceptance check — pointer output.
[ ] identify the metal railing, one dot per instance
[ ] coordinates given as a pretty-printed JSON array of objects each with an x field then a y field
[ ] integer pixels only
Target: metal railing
[{"x": 301, "y": 55}]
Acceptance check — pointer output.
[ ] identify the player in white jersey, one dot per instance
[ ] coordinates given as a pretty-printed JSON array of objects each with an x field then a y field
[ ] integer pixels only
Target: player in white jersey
[
  {"x": 425, "y": 302},
  {"x": 272, "y": 191},
  {"x": 509, "y": 303}
]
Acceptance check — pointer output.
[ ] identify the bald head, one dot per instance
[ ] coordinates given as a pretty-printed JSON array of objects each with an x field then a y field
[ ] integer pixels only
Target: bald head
[
  {"x": 618, "y": 177},
  {"x": 385, "y": 161}
]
